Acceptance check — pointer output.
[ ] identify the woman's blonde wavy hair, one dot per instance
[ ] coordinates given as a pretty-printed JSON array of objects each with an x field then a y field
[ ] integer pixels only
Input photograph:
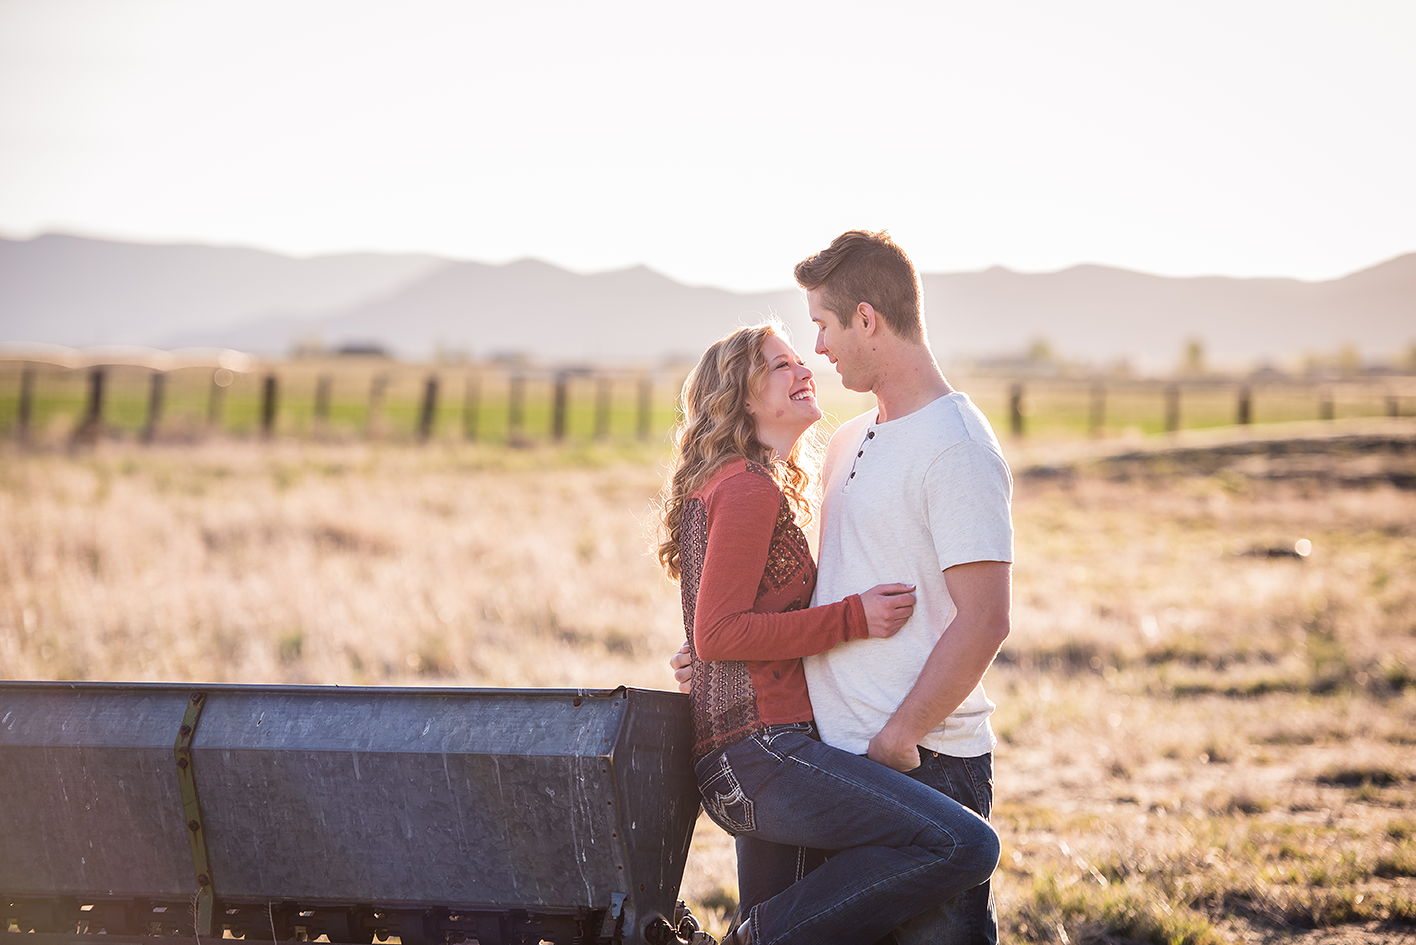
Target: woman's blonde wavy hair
[{"x": 715, "y": 427}]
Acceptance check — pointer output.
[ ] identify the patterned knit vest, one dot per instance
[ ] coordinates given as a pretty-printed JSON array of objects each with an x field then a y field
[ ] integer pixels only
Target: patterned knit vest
[{"x": 724, "y": 698}]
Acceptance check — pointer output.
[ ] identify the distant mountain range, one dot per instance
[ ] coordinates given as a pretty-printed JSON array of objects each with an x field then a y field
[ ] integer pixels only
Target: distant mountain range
[{"x": 79, "y": 292}]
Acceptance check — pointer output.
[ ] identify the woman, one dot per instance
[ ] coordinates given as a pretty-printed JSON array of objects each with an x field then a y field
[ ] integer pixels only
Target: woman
[{"x": 730, "y": 511}]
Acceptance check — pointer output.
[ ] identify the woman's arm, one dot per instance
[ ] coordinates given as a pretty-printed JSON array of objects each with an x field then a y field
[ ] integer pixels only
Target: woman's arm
[{"x": 742, "y": 515}]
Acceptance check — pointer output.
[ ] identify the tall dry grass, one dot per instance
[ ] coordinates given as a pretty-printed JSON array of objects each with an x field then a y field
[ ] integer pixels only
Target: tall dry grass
[
  {"x": 352, "y": 565},
  {"x": 1198, "y": 744}
]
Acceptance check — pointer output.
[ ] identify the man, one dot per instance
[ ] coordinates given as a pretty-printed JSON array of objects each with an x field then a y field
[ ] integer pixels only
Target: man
[{"x": 915, "y": 491}]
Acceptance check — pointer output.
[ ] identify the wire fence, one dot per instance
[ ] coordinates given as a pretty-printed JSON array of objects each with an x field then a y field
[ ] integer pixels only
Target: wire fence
[
  {"x": 368, "y": 399},
  {"x": 151, "y": 400}
]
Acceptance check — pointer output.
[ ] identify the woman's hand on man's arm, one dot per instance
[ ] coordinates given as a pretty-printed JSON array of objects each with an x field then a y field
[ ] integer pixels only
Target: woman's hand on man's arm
[{"x": 682, "y": 665}]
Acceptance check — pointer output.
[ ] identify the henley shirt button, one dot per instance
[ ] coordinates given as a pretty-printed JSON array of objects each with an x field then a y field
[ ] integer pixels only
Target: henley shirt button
[
  {"x": 861, "y": 453},
  {"x": 870, "y": 435},
  {"x": 852, "y": 475}
]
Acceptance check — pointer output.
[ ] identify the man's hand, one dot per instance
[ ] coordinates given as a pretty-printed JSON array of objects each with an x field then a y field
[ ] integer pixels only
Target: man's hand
[
  {"x": 887, "y": 607},
  {"x": 893, "y": 749},
  {"x": 682, "y": 665}
]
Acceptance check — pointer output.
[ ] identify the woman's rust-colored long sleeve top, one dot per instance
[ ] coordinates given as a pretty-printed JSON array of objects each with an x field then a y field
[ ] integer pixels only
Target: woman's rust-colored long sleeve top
[{"x": 747, "y": 575}]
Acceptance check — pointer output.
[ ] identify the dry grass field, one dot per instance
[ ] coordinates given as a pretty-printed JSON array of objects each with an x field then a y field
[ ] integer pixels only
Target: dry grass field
[{"x": 1205, "y": 738}]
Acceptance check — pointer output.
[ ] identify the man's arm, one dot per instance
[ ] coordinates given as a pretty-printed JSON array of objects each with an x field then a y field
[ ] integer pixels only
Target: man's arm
[{"x": 982, "y": 592}]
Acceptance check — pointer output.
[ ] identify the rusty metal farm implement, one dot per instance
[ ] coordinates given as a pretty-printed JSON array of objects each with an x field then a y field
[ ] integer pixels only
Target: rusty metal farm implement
[{"x": 281, "y": 813}]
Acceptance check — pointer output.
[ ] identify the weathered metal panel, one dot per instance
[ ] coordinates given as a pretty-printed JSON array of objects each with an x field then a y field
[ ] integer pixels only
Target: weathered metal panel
[
  {"x": 434, "y": 796},
  {"x": 550, "y": 801},
  {"x": 88, "y": 791},
  {"x": 655, "y": 747}
]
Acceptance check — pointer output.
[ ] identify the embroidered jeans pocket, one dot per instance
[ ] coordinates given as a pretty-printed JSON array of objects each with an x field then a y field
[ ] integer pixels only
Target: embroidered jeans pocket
[{"x": 724, "y": 800}]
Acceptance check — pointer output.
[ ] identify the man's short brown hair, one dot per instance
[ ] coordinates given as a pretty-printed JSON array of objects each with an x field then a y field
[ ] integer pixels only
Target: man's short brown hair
[{"x": 860, "y": 266}]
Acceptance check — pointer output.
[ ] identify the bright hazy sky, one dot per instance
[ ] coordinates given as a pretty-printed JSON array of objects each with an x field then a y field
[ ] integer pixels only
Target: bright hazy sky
[{"x": 719, "y": 143}]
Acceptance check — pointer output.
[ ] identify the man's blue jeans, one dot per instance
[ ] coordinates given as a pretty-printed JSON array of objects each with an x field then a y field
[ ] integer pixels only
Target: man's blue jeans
[
  {"x": 904, "y": 847},
  {"x": 765, "y": 869}
]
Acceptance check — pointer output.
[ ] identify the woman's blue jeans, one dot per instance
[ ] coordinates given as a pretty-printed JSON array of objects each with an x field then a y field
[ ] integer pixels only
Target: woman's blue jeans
[
  {"x": 904, "y": 847},
  {"x": 765, "y": 869}
]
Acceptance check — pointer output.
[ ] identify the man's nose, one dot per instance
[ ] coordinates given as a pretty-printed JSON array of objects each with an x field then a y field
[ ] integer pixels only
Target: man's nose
[{"x": 820, "y": 342}]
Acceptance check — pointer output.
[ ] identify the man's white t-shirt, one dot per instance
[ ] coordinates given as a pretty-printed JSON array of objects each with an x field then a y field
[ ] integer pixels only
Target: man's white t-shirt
[{"x": 903, "y": 501}]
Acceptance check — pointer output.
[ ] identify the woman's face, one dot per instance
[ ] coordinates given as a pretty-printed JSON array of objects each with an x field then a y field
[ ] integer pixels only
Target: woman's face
[{"x": 785, "y": 405}]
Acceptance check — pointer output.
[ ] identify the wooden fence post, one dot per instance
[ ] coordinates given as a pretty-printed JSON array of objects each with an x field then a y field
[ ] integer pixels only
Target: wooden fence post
[
  {"x": 26, "y": 405},
  {"x": 1393, "y": 406},
  {"x": 92, "y": 424},
  {"x": 1326, "y": 409},
  {"x": 1015, "y": 409},
  {"x": 323, "y": 386},
  {"x": 646, "y": 405},
  {"x": 155, "y": 391},
  {"x": 372, "y": 420},
  {"x": 1172, "y": 408},
  {"x": 430, "y": 408},
  {"x": 1244, "y": 414},
  {"x": 269, "y": 392},
  {"x": 471, "y": 406},
  {"x": 1096, "y": 421},
  {"x": 602, "y": 407},
  {"x": 516, "y": 410},
  {"x": 558, "y": 408}
]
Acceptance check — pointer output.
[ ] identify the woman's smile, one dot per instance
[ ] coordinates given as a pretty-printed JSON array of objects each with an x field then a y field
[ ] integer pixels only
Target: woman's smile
[{"x": 785, "y": 404}]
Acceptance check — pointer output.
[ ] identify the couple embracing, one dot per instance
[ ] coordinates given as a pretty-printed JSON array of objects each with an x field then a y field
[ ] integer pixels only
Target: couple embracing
[{"x": 860, "y": 810}]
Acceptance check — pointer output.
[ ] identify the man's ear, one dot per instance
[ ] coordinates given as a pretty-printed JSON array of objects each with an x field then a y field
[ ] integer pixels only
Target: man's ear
[{"x": 870, "y": 319}]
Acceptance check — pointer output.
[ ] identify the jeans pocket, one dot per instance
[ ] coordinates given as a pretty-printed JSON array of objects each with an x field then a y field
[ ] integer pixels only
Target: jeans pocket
[
  {"x": 724, "y": 800},
  {"x": 792, "y": 732},
  {"x": 980, "y": 771}
]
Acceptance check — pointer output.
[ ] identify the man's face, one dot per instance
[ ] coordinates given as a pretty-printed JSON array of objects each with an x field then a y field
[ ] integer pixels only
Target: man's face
[{"x": 842, "y": 344}]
